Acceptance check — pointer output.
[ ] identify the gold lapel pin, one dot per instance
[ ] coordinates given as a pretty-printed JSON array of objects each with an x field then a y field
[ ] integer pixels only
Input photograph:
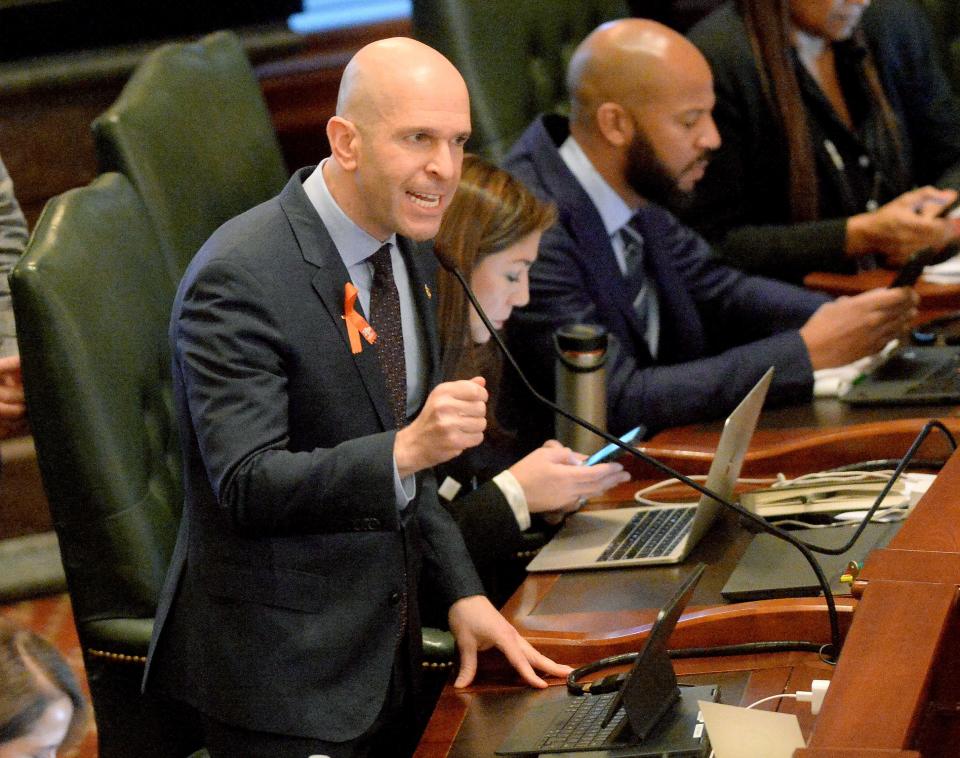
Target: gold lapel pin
[{"x": 426, "y": 288}]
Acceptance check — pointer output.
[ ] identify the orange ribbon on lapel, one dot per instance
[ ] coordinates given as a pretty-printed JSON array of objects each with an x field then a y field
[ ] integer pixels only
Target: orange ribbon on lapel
[{"x": 356, "y": 324}]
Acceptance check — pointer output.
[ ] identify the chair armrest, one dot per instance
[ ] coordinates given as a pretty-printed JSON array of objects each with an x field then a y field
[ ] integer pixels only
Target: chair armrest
[
  {"x": 119, "y": 638},
  {"x": 439, "y": 648},
  {"x": 130, "y": 637}
]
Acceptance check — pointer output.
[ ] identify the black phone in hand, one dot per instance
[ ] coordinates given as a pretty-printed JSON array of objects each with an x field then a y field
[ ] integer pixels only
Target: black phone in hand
[{"x": 908, "y": 275}]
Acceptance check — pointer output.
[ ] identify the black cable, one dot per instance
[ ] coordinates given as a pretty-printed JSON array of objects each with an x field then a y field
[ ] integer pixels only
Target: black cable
[
  {"x": 882, "y": 464},
  {"x": 770, "y": 528},
  {"x": 746, "y": 648},
  {"x": 904, "y": 462},
  {"x": 612, "y": 682}
]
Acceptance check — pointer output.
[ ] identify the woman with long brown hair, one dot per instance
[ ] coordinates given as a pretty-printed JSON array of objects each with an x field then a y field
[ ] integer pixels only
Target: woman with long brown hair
[
  {"x": 491, "y": 232},
  {"x": 831, "y": 118}
]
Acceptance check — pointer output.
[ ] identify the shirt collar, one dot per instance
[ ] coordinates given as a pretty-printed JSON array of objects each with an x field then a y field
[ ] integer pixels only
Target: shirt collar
[
  {"x": 352, "y": 242},
  {"x": 614, "y": 212}
]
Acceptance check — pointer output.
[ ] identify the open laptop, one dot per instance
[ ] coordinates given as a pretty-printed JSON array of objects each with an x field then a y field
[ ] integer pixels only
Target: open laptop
[
  {"x": 649, "y": 715},
  {"x": 656, "y": 534},
  {"x": 909, "y": 376}
]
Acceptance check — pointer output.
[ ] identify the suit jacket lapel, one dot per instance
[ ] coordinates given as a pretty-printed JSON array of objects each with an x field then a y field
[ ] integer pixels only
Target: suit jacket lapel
[
  {"x": 328, "y": 281},
  {"x": 583, "y": 220},
  {"x": 589, "y": 230}
]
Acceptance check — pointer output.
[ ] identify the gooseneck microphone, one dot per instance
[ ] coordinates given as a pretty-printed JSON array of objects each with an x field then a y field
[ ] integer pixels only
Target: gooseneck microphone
[{"x": 759, "y": 521}]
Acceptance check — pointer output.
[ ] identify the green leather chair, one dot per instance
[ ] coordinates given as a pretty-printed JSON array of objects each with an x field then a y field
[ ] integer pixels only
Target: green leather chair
[
  {"x": 192, "y": 133},
  {"x": 92, "y": 298},
  {"x": 513, "y": 55},
  {"x": 945, "y": 18}
]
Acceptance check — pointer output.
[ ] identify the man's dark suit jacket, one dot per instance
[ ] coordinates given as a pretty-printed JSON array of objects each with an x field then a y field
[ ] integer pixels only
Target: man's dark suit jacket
[
  {"x": 743, "y": 204},
  {"x": 283, "y": 606},
  {"x": 720, "y": 330}
]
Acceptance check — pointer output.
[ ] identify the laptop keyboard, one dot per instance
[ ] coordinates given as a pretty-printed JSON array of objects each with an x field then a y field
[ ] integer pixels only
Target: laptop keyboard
[
  {"x": 649, "y": 534},
  {"x": 578, "y": 726}
]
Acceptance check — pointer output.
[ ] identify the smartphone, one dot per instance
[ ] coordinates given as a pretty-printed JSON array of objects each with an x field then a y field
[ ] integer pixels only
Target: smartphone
[
  {"x": 610, "y": 450},
  {"x": 949, "y": 208},
  {"x": 913, "y": 268}
]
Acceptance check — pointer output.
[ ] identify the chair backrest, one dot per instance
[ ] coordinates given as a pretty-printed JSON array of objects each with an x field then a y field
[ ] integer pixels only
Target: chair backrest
[
  {"x": 92, "y": 299},
  {"x": 513, "y": 55},
  {"x": 192, "y": 132},
  {"x": 945, "y": 20}
]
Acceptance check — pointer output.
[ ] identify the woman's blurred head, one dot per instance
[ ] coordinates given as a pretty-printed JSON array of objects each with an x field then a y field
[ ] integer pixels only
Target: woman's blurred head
[
  {"x": 491, "y": 232},
  {"x": 41, "y": 706}
]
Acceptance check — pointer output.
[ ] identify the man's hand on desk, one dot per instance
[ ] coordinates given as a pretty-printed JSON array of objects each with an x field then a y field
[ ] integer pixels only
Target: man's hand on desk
[
  {"x": 902, "y": 226},
  {"x": 849, "y": 328},
  {"x": 453, "y": 419},
  {"x": 477, "y": 625}
]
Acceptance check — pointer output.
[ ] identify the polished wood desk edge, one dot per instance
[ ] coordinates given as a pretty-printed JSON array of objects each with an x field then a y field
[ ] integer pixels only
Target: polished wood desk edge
[
  {"x": 910, "y": 566},
  {"x": 932, "y": 295},
  {"x": 691, "y": 445},
  {"x": 579, "y": 638},
  {"x": 882, "y": 680}
]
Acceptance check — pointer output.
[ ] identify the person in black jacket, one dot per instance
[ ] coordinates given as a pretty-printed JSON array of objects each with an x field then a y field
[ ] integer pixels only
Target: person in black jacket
[
  {"x": 829, "y": 125},
  {"x": 491, "y": 233}
]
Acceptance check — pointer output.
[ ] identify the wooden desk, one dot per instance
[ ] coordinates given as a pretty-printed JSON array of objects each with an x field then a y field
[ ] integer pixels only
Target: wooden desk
[
  {"x": 579, "y": 616},
  {"x": 935, "y": 299},
  {"x": 895, "y": 691},
  {"x": 471, "y": 723},
  {"x": 896, "y": 687},
  {"x": 808, "y": 437}
]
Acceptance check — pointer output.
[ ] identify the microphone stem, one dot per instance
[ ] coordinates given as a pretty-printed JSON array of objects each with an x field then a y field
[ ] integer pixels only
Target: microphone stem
[{"x": 664, "y": 468}]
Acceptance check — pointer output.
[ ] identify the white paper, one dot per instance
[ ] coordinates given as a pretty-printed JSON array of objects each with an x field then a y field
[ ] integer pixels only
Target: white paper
[{"x": 741, "y": 733}]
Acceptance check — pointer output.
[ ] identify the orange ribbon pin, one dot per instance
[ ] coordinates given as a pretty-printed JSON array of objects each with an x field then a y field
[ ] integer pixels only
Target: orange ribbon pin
[{"x": 357, "y": 325}]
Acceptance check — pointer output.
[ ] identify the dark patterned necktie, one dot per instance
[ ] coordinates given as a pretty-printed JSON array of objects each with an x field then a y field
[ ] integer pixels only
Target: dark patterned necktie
[
  {"x": 385, "y": 319},
  {"x": 645, "y": 303}
]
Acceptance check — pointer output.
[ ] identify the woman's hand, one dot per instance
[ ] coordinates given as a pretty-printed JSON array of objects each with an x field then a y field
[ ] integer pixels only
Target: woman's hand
[
  {"x": 553, "y": 479},
  {"x": 902, "y": 226}
]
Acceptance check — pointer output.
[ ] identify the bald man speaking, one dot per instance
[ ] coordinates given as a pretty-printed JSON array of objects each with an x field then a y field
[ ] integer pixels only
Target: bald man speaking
[
  {"x": 690, "y": 335},
  {"x": 304, "y": 351}
]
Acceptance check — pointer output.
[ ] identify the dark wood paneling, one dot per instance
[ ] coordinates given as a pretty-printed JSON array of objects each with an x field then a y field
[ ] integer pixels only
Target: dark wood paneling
[{"x": 46, "y": 106}]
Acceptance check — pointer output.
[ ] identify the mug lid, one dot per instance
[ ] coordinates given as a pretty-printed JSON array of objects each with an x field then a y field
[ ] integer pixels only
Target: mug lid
[{"x": 581, "y": 338}]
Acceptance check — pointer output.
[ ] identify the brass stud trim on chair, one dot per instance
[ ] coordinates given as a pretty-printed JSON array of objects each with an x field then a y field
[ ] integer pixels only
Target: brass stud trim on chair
[
  {"x": 123, "y": 658},
  {"x": 117, "y": 657},
  {"x": 435, "y": 665}
]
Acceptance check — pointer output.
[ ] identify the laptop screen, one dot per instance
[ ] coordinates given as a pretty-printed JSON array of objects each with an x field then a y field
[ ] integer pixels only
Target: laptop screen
[{"x": 650, "y": 688}]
